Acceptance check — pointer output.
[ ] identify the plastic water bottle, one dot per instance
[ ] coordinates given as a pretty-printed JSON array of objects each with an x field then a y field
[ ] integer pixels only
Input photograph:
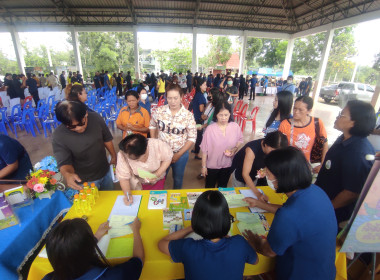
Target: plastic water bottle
[
  {"x": 90, "y": 198},
  {"x": 77, "y": 205},
  {"x": 94, "y": 191},
  {"x": 85, "y": 187},
  {"x": 86, "y": 207}
]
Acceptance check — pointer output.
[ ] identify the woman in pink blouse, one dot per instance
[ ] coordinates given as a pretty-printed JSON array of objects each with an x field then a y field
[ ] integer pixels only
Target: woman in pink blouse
[
  {"x": 137, "y": 154},
  {"x": 221, "y": 141}
]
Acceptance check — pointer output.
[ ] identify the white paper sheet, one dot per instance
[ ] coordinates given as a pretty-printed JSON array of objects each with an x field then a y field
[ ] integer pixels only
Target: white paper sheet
[
  {"x": 119, "y": 208},
  {"x": 249, "y": 193}
]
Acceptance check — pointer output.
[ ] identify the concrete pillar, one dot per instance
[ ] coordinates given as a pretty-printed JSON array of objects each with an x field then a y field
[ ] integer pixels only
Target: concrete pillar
[
  {"x": 18, "y": 50},
  {"x": 375, "y": 98},
  {"x": 243, "y": 52},
  {"x": 78, "y": 61},
  {"x": 194, "y": 64},
  {"x": 288, "y": 59},
  {"x": 323, "y": 64},
  {"x": 136, "y": 50}
]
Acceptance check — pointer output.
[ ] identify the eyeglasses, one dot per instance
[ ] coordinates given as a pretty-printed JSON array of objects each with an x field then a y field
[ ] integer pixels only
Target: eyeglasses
[{"x": 82, "y": 123}]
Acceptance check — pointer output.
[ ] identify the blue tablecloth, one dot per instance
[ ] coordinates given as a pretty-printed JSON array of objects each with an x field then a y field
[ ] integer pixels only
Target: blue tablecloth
[{"x": 17, "y": 243}]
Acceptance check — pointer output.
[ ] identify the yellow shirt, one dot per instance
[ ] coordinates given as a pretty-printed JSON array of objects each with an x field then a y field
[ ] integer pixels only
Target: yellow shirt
[{"x": 161, "y": 86}]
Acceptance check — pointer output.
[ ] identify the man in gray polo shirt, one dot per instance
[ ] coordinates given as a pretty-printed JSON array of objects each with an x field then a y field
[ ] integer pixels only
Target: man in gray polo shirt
[{"x": 79, "y": 146}]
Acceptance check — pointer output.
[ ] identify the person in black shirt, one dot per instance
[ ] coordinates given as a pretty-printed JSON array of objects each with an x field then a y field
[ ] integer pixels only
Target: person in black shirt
[
  {"x": 11, "y": 90},
  {"x": 32, "y": 86},
  {"x": 97, "y": 82},
  {"x": 241, "y": 87},
  {"x": 102, "y": 77},
  {"x": 73, "y": 253},
  {"x": 119, "y": 87},
  {"x": 62, "y": 79},
  {"x": 128, "y": 79},
  {"x": 74, "y": 78}
]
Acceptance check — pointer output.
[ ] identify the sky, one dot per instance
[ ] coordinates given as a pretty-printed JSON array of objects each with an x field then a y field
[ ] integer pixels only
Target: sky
[{"x": 367, "y": 41}]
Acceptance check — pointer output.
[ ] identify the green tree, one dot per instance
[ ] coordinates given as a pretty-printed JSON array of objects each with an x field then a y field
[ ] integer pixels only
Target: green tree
[
  {"x": 366, "y": 75},
  {"x": 254, "y": 47},
  {"x": 7, "y": 65},
  {"x": 273, "y": 53},
  {"x": 339, "y": 66},
  {"x": 177, "y": 59},
  {"x": 220, "y": 51}
]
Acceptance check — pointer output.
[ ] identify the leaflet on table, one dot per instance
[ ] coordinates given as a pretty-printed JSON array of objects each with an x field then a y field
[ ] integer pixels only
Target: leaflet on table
[
  {"x": 235, "y": 200},
  {"x": 119, "y": 208},
  {"x": 120, "y": 225},
  {"x": 157, "y": 200},
  {"x": 192, "y": 198},
  {"x": 226, "y": 191},
  {"x": 18, "y": 197},
  {"x": 252, "y": 218},
  {"x": 187, "y": 214},
  {"x": 115, "y": 247},
  {"x": 249, "y": 193},
  {"x": 179, "y": 206},
  {"x": 172, "y": 218},
  {"x": 175, "y": 198}
]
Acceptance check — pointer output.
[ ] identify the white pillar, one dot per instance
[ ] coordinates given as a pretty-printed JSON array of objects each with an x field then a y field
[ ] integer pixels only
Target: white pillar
[
  {"x": 18, "y": 50},
  {"x": 78, "y": 61},
  {"x": 288, "y": 59},
  {"x": 323, "y": 64},
  {"x": 243, "y": 52},
  {"x": 136, "y": 49},
  {"x": 194, "y": 64},
  {"x": 49, "y": 57}
]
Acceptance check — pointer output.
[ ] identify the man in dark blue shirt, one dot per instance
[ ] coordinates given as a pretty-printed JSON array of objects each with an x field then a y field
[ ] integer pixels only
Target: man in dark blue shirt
[
  {"x": 62, "y": 79},
  {"x": 32, "y": 87},
  {"x": 253, "y": 87},
  {"x": 97, "y": 82},
  {"x": 14, "y": 160}
]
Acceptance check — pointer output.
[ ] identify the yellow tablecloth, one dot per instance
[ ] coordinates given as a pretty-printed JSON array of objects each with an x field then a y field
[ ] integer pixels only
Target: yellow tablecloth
[{"x": 158, "y": 265}]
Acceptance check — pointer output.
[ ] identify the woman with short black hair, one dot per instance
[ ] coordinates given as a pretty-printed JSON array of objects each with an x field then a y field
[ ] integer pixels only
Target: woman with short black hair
[
  {"x": 302, "y": 236},
  {"x": 74, "y": 254},
  {"x": 138, "y": 154},
  {"x": 250, "y": 159},
  {"x": 345, "y": 168},
  {"x": 216, "y": 256}
]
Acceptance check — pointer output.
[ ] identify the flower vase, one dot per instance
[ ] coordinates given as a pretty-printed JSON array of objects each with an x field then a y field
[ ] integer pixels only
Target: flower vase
[{"x": 46, "y": 194}]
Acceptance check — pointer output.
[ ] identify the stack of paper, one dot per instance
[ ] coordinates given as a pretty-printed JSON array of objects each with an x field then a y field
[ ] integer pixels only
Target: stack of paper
[
  {"x": 119, "y": 208},
  {"x": 235, "y": 200},
  {"x": 120, "y": 248},
  {"x": 257, "y": 223},
  {"x": 146, "y": 174},
  {"x": 120, "y": 225},
  {"x": 249, "y": 193}
]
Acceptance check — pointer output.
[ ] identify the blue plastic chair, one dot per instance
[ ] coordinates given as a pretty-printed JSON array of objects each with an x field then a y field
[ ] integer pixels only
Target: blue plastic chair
[
  {"x": 27, "y": 121},
  {"x": 4, "y": 118},
  {"x": 47, "y": 119}
]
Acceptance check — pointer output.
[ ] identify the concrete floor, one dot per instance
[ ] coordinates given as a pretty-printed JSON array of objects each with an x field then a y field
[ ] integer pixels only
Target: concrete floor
[{"x": 39, "y": 147}]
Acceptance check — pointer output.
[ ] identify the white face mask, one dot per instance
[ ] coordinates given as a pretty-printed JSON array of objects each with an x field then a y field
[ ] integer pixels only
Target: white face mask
[
  {"x": 144, "y": 96},
  {"x": 270, "y": 183},
  {"x": 290, "y": 81}
]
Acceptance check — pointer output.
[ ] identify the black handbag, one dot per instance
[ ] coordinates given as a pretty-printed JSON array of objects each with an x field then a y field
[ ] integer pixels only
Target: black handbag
[{"x": 319, "y": 141}]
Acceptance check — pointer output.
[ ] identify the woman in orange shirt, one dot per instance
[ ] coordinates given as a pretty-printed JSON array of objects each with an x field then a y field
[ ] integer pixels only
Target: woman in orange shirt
[
  {"x": 300, "y": 130},
  {"x": 133, "y": 118}
]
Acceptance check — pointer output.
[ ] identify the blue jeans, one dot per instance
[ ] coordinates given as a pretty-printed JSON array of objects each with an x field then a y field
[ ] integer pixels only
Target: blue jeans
[
  {"x": 178, "y": 170},
  {"x": 105, "y": 183}
]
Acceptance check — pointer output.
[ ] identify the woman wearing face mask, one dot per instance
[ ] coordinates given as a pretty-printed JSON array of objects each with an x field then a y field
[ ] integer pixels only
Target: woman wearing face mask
[
  {"x": 198, "y": 105},
  {"x": 175, "y": 125},
  {"x": 282, "y": 106},
  {"x": 144, "y": 100},
  {"x": 133, "y": 118},
  {"x": 289, "y": 86},
  {"x": 230, "y": 89},
  {"x": 301, "y": 129},
  {"x": 220, "y": 143},
  {"x": 302, "y": 236},
  {"x": 250, "y": 159}
]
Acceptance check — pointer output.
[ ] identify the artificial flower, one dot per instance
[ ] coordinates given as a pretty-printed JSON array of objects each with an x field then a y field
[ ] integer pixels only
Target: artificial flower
[{"x": 39, "y": 188}]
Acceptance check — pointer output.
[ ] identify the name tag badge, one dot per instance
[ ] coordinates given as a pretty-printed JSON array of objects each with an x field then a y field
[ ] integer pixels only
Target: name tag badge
[{"x": 328, "y": 164}]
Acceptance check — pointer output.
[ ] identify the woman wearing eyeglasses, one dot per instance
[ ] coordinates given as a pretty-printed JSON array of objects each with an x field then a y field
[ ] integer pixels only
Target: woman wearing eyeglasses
[{"x": 345, "y": 168}]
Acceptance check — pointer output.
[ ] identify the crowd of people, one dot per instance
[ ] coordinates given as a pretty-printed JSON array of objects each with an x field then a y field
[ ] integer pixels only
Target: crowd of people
[{"x": 303, "y": 233}]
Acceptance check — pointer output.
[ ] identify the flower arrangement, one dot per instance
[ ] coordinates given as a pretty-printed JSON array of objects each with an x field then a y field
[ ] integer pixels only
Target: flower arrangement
[
  {"x": 41, "y": 181},
  {"x": 47, "y": 163}
]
